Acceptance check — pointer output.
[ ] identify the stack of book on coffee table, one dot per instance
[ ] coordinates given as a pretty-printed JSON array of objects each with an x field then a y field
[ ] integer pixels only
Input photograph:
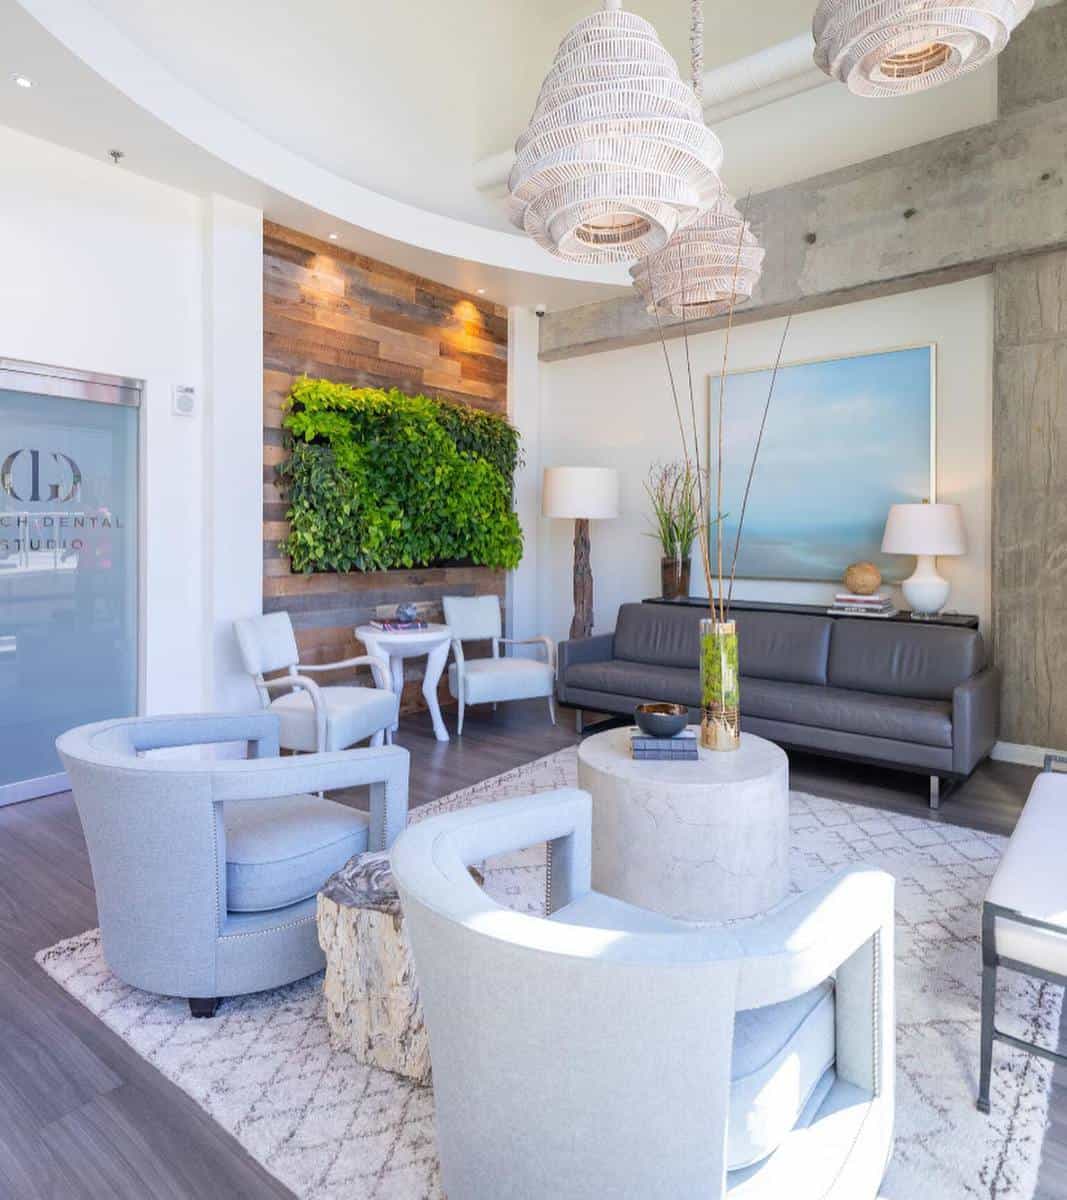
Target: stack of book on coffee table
[
  {"x": 848, "y": 604},
  {"x": 680, "y": 748}
]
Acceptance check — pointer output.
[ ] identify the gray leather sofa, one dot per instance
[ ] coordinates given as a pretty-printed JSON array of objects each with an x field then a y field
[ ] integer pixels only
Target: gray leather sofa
[{"x": 916, "y": 697}]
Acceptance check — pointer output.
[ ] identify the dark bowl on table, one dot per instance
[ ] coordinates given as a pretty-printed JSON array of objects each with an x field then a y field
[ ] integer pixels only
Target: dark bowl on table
[{"x": 661, "y": 720}]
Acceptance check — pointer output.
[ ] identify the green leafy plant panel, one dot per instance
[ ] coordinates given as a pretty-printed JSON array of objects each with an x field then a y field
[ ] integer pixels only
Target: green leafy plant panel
[{"x": 378, "y": 480}]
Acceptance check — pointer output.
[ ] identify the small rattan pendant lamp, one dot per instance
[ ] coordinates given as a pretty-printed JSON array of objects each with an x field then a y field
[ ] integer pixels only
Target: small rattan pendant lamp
[
  {"x": 713, "y": 263},
  {"x": 616, "y": 156},
  {"x": 893, "y": 47}
]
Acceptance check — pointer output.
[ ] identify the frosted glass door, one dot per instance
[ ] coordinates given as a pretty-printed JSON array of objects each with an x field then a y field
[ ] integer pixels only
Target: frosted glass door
[{"x": 68, "y": 576}]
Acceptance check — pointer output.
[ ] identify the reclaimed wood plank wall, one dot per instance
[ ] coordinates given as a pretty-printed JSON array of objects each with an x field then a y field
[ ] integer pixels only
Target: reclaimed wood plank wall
[{"x": 330, "y": 313}]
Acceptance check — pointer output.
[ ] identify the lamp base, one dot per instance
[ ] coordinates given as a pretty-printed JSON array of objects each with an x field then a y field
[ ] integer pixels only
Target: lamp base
[
  {"x": 926, "y": 592},
  {"x": 582, "y": 625}
]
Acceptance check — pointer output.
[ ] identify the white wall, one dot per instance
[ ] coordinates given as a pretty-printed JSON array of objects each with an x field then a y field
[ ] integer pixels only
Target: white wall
[
  {"x": 232, "y": 442},
  {"x": 105, "y": 271},
  {"x": 615, "y": 409},
  {"x": 524, "y": 412}
]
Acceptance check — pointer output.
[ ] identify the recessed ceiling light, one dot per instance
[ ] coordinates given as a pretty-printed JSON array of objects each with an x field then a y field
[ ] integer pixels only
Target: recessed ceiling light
[
  {"x": 22, "y": 81},
  {"x": 333, "y": 236},
  {"x": 481, "y": 291}
]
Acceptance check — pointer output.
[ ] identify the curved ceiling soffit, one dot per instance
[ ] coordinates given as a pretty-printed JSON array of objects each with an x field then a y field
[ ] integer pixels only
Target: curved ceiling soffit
[{"x": 116, "y": 59}]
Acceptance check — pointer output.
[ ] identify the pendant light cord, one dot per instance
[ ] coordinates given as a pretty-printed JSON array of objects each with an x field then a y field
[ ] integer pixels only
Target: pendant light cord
[{"x": 696, "y": 46}]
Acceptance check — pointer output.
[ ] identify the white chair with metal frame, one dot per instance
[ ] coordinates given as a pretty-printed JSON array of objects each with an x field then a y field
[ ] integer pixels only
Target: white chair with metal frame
[
  {"x": 502, "y": 677},
  {"x": 315, "y": 717}
]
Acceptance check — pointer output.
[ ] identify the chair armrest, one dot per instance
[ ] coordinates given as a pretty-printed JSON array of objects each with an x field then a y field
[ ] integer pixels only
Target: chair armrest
[
  {"x": 548, "y": 644},
  {"x": 318, "y": 701},
  {"x": 581, "y": 650},
  {"x": 975, "y": 718},
  {"x": 379, "y": 668},
  {"x": 384, "y": 768},
  {"x": 259, "y": 730},
  {"x": 804, "y": 942}
]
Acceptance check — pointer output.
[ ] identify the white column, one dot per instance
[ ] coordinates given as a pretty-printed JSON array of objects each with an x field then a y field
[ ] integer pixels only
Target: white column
[
  {"x": 524, "y": 412},
  {"x": 233, "y": 443}
]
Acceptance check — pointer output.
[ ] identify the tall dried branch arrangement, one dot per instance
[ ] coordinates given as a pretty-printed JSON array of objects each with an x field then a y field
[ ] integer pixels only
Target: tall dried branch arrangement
[{"x": 709, "y": 482}]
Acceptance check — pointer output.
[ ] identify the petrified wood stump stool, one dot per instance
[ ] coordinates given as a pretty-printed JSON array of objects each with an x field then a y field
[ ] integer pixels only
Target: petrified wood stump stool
[{"x": 372, "y": 997}]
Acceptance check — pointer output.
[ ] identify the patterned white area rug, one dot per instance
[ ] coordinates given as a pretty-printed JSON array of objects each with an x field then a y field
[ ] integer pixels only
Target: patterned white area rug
[{"x": 329, "y": 1128}]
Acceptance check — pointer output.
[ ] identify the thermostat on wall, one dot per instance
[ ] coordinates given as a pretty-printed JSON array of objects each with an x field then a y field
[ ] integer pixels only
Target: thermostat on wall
[{"x": 184, "y": 399}]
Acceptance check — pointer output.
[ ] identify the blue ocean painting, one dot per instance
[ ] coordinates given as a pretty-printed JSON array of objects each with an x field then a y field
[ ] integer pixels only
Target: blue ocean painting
[{"x": 845, "y": 439}]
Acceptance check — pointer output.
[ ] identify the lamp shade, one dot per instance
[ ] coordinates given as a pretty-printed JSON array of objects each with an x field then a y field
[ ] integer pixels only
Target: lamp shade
[
  {"x": 924, "y": 529},
  {"x": 580, "y": 492}
]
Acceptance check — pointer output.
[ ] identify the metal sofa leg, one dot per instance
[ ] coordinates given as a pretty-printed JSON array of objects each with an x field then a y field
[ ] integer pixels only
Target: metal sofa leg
[
  {"x": 989, "y": 1003},
  {"x": 203, "y": 1007},
  {"x": 578, "y": 720},
  {"x": 935, "y": 791}
]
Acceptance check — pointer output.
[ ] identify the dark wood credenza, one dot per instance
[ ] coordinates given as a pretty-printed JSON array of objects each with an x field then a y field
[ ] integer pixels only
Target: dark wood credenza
[{"x": 955, "y": 620}]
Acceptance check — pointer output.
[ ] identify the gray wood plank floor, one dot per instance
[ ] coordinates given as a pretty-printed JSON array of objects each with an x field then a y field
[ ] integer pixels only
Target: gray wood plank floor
[{"x": 82, "y": 1115}]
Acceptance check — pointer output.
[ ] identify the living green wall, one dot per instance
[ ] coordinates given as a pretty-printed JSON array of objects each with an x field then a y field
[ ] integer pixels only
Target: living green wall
[{"x": 378, "y": 480}]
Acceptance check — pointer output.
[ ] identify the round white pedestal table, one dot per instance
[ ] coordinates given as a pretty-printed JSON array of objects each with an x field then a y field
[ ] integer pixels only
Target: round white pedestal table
[
  {"x": 698, "y": 841},
  {"x": 434, "y": 641}
]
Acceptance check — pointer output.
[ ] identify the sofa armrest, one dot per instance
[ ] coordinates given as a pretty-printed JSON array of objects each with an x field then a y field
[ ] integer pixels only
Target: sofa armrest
[
  {"x": 582, "y": 650},
  {"x": 975, "y": 719}
]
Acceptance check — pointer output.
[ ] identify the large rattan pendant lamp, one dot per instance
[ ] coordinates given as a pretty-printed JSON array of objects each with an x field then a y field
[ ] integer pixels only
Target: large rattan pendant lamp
[
  {"x": 616, "y": 156},
  {"x": 892, "y": 47},
  {"x": 713, "y": 263}
]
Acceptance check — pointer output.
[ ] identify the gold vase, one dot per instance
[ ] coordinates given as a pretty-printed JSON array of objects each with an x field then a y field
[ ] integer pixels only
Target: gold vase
[{"x": 720, "y": 686}]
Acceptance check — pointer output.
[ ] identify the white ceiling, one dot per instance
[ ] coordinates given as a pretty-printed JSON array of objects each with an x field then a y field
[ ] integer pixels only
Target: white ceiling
[{"x": 368, "y": 117}]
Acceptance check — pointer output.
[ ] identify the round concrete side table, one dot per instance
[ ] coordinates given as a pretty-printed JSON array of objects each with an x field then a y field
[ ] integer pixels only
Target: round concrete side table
[{"x": 698, "y": 841}]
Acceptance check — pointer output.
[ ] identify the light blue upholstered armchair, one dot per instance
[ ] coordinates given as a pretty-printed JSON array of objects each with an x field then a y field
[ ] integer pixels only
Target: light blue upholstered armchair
[
  {"x": 206, "y": 870},
  {"x": 611, "y": 1052}
]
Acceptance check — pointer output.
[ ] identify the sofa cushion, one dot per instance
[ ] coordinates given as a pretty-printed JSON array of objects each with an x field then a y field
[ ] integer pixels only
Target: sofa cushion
[
  {"x": 659, "y": 633},
  {"x": 281, "y": 851},
  {"x": 643, "y": 681},
  {"x": 901, "y": 659},
  {"x": 771, "y": 645},
  {"x": 927, "y": 722},
  {"x": 781, "y": 1053},
  {"x": 788, "y": 646}
]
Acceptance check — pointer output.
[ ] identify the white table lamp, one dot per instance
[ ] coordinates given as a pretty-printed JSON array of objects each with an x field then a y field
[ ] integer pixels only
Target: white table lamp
[
  {"x": 581, "y": 494},
  {"x": 925, "y": 530}
]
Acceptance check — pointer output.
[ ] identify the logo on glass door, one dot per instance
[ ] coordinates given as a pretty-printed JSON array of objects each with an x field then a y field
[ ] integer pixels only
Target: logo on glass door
[{"x": 63, "y": 483}]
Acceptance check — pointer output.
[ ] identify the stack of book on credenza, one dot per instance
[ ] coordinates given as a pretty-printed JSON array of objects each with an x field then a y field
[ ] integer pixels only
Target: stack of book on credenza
[
  {"x": 847, "y": 604},
  {"x": 680, "y": 748}
]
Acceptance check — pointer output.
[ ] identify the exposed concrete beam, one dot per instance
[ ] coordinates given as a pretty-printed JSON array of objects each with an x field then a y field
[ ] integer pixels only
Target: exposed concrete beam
[{"x": 926, "y": 215}]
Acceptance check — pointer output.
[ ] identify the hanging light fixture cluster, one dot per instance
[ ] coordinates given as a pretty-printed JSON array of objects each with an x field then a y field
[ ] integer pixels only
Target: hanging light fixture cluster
[
  {"x": 616, "y": 156},
  {"x": 893, "y": 47}
]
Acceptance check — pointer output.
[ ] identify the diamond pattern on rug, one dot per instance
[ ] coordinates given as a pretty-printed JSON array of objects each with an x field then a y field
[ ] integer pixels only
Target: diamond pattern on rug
[{"x": 330, "y": 1128}]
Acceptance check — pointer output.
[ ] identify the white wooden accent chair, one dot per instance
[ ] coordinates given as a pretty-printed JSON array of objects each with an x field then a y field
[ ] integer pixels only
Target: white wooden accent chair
[
  {"x": 491, "y": 680},
  {"x": 315, "y": 717},
  {"x": 1024, "y": 917}
]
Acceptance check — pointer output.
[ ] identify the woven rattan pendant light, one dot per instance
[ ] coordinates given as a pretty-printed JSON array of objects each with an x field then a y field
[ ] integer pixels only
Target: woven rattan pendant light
[
  {"x": 892, "y": 47},
  {"x": 616, "y": 155},
  {"x": 714, "y": 262}
]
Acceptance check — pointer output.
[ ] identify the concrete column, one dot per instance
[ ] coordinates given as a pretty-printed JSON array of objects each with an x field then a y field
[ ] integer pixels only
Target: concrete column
[
  {"x": 1030, "y": 498},
  {"x": 1030, "y": 430},
  {"x": 524, "y": 412}
]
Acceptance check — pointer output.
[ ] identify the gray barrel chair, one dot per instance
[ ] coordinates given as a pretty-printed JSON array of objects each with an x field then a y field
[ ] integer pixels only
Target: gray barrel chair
[
  {"x": 609, "y": 1052},
  {"x": 206, "y": 870},
  {"x": 315, "y": 716}
]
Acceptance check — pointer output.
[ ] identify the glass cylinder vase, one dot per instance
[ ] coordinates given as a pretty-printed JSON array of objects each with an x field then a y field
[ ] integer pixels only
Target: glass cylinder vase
[
  {"x": 674, "y": 578},
  {"x": 720, "y": 686}
]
